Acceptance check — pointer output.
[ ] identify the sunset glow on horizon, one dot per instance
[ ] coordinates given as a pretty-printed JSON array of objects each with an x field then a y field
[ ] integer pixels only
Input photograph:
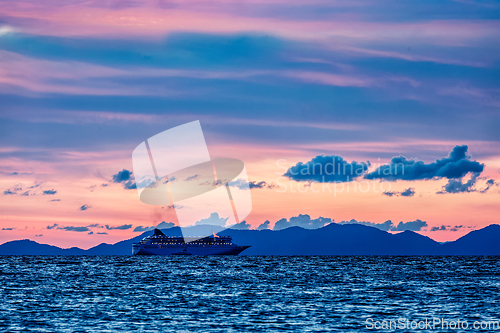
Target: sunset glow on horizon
[{"x": 272, "y": 85}]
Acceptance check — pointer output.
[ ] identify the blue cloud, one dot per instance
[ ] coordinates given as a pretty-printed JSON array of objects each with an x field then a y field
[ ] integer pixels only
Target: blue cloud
[
  {"x": 303, "y": 221},
  {"x": 326, "y": 169},
  {"x": 191, "y": 178},
  {"x": 130, "y": 185},
  {"x": 243, "y": 185},
  {"x": 122, "y": 176},
  {"x": 416, "y": 225},
  {"x": 120, "y": 227},
  {"x": 386, "y": 226},
  {"x": 456, "y": 165},
  {"x": 50, "y": 192},
  {"x": 84, "y": 207},
  {"x": 125, "y": 178},
  {"x": 450, "y": 228},
  {"x": 264, "y": 226},
  {"x": 456, "y": 185},
  {"x": 32, "y": 190},
  {"x": 142, "y": 229},
  {"x": 69, "y": 228},
  {"x": 240, "y": 226},
  {"x": 213, "y": 219},
  {"x": 161, "y": 225},
  {"x": 489, "y": 184},
  {"x": 15, "y": 173},
  {"x": 77, "y": 229},
  {"x": 409, "y": 192}
]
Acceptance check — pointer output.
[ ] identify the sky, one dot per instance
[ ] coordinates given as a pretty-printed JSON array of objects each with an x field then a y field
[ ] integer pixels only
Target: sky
[{"x": 406, "y": 94}]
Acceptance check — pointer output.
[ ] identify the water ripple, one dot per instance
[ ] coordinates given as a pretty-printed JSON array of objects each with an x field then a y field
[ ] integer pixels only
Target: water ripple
[{"x": 244, "y": 293}]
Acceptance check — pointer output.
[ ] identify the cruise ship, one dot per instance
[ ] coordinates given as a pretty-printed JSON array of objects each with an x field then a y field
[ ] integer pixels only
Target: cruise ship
[{"x": 160, "y": 244}]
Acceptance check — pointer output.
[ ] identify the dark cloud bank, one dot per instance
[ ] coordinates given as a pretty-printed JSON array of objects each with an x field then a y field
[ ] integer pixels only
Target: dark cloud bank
[
  {"x": 326, "y": 169},
  {"x": 333, "y": 168},
  {"x": 457, "y": 165}
]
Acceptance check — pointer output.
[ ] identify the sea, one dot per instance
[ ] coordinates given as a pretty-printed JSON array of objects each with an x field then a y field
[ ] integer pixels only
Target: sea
[{"x": 249, "y": 293}]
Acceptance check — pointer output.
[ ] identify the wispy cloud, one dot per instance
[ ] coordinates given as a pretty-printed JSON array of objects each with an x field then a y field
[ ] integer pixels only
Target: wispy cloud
[{"x": 29, "y": 190}]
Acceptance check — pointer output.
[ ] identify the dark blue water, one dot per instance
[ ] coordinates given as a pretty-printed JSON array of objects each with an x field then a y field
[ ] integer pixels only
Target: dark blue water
[{"x": 244, "y": 293}]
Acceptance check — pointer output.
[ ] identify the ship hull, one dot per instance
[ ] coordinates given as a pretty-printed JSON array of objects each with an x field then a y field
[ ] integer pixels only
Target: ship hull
[{"x": 140, "y": 249}]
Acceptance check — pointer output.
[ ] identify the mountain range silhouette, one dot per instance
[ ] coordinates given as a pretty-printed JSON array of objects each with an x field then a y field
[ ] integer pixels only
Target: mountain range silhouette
[{"x": 333, "y": 239}]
